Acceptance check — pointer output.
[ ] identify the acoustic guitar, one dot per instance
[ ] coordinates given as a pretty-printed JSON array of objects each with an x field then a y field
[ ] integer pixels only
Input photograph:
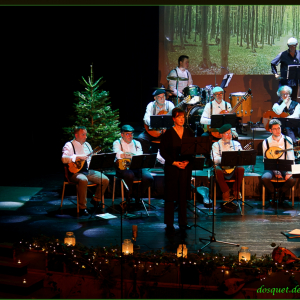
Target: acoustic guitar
[
  {"x": 157, "y": 133},
  {"x": 214, "y": 131},
  {"x": 276, "y": 152},
  {"x": 268, "y": 115},
  {"x": 75, "y": 167},
  {"x": 229, "y": 170}
]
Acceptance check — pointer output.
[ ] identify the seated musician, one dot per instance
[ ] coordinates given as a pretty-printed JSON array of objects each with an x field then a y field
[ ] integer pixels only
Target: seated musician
[
  {"x": 79, "y": 149},
  {"x": 126, "y": 147},
  {"x": 180, "y": 71},
  {"x": 159, "y": 106},
  {"x": 287, "y": 105},
  {"x": 215, "y": 107},
  {"x": 277, "y": 139},
  {"x": 227, "y": 144}
]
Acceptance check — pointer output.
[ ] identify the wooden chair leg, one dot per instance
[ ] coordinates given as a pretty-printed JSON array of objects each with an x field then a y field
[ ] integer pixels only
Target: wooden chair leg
[
  {"x": 77, "y": 201},
  {"x": 243, "y": 190},
  {"x": 62, "y": 194},
  {"x": 149, "y": 195},
  {"x": 263, "y": 195},
  {"x": 122, "y": 190},
  {"x": 215, "y": 194},
  {"x": 293, "y": 195}
]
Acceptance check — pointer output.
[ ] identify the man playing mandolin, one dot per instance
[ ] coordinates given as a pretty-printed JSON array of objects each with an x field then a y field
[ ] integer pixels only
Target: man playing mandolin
[
  {"x": 125, "y": 148},
  {"x": 160, "y": 106},
  {"x": 289, "y": 107},
  {"x": 227, "y": 144},
  {"x": 77, "y": 153},
  {"x": 215, "y": 107},
  {"x": 277, "y": 141}
]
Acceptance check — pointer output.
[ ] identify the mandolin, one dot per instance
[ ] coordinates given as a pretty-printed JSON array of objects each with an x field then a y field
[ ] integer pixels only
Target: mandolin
[
  {"x": 157, "y": 133},
  {"x": 276, "y": 152},
  {"x": 268, "y": 115},
  {"x": 75, "y": 167},
  {"x": 214, "y": 131},
  {"x": 124, "y": 163},
  {"x": 229, "y": 170}
]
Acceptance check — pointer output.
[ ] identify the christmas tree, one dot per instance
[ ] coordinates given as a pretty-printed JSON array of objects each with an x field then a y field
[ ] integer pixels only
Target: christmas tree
[{"x": 93, "y": 111}]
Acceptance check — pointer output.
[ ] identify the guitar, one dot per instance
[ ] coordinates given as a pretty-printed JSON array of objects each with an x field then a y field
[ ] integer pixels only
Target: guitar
[
  {"x": 229, "y": 170},
  {"x": 276, "y": 152},
  {"x": 214, "y": 131},
  {"x": 157, "y": 133},
  {"x": 268, "y": 115},
  {"x": 75, "y": 167}
]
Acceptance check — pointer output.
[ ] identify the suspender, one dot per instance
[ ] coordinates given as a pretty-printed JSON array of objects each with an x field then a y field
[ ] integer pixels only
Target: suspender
[
  {"x": 122, "y": 146},
  {"x": 74, "y": 147},
  {"x": 285, "y": 140},
  {"x": 154, "y": 107},
  {"x": 220, "y": 152},
  {"x": 211, "y": 107},
  {"x": 187, "y": 73}
]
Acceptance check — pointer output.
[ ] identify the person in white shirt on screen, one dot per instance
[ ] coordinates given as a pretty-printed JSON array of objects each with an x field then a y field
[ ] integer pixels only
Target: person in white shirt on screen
[{"x": 180, "y": 71}]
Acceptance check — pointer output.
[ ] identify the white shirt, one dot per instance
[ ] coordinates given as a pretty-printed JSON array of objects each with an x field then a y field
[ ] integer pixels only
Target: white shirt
[
  {"x": 296, "y": 114},
  {"x": 278, "y": 109},
  {"x": 217, "y": 108},
  {"x": 220, "y": 146},
  {"x": 150, "y": 109},
  {"x": 67, "y": 150},
  {"x": 181, "y": 84},
  {"x": 134, "y": 147},
  {"x": 280, "y": 144}
]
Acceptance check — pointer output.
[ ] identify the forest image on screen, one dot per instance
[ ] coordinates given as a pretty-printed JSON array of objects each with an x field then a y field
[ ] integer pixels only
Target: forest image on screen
[{"x": 241, "y": 39}]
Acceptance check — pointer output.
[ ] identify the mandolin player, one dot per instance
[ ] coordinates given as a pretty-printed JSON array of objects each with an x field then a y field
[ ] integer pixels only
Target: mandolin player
[
  {"x": 125, "y": 148},
  {"x": 287, "y": 105},
  {"x": 227, "y": 144},
  {"x": 79, "y": 150},
  {"x": 160, "y": 106},
  {"x": 277, "y": 139}
]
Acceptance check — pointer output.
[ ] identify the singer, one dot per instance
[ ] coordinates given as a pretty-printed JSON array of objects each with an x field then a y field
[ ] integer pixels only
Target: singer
[
  {"x": 287, "y": 58},
  {"x": 227, "y": 144},
  {"x": 287, "y": 105}
]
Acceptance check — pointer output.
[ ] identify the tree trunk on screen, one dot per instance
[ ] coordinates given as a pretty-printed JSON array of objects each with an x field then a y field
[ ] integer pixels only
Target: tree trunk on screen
[
  {"x": 252, "y": 29},
  {"x": 218, "y": 22},
  {"x": 181, "y": 27},
  {"x": 186, "y": 24},
  {"x": 248, "y": 28},
  {"x": 206, "y": 63},
  {"x": 190, "y": 21},
  {"x": 213, "y": 22},
  {"x": 238, "y": 25},
  {"x": 225, "y": 36},
  {"x": 256, "y": 27},
  {"x": 196, "y": 22},
  {"x": 241, "y": 26},
  {"x": 171, "y": 27},
  {"x": 269, "y": 24}
]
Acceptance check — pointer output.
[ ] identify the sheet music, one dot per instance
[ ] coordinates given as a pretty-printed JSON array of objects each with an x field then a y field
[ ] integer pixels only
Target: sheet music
[{"x": 228, "y": 77}]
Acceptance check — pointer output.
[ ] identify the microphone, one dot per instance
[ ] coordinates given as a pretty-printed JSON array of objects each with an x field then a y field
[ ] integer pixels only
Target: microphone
[{"x": 225, "y": 69}]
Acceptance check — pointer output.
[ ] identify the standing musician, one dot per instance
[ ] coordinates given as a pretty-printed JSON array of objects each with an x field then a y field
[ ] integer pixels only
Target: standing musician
[
  {"x": 215, "y": 107},
  {"x": 287, "y": 58},
  {"x": 287, "y": 105},
  {"x": 125, "y": 148},
  {"x": 278, "y": 140},
  {"x": 180, "y": 71},
  {"x": 160, "y": 106},
  {"x": 79, "y": 149},
  {"x": 227, "y": 144},
  {"x": 178, "y": 171}
]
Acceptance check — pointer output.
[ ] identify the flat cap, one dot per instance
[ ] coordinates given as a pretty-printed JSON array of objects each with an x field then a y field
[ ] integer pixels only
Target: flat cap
[
  {"x": 225, "y": 128},
  {"x": 217, "y": 89},
  {"x": 158, "y": 92},
  {"x": 127, "y": 128}
]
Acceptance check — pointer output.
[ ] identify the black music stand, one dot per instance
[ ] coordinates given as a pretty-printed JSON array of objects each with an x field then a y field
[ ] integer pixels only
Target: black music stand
[
  {"x": 278, "y": 165},
  {"x": 101, "y": 162},
  {"x": 195, "y": 146},
  {"x": 293, "y": 72},
  {"x": 161, "y": 121},
  {"x": 217, "y": 121},
  {"x": 144, "y": 161},
  {"x": 239, "y": 158}
]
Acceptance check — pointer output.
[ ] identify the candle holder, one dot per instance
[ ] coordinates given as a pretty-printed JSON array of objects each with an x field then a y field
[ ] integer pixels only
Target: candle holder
[
  {"x": 182, "y": 251},
  {"x": 244, "y": 254},
  {"x": 70, "y": 239},
  {"x": 127, "y": 247}
]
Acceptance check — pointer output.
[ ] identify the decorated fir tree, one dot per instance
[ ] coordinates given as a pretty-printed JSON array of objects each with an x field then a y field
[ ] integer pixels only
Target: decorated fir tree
[{"x": 94, "y": 112}]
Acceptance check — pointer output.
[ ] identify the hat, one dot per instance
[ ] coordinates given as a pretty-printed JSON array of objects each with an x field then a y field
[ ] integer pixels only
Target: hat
[
  {"x": 127, "y": 128},
  {"x": 292, "y": 41},
  {"x": 158, "y": 92},
  {"x": 225, "y": 128},
  {"x": 217, "y": 89}
]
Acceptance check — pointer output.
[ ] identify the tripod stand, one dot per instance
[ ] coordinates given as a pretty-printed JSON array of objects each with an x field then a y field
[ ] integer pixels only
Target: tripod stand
[
  {"x": 102, "y": 162},
  {"x": 194, "y": 146},
  {"x": 139, "y": 162},
  {"x": 235, "y": 159},
  {"x": 212, "y": 238}
]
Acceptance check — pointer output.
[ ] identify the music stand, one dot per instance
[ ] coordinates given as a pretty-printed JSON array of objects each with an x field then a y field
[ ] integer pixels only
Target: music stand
[
  {"x": 195, "y": 146},
  {"x": 278, "y": 165},
  {"x": 218, "y": 121},
  {"x": 144, "y": 161},
  {"x": 100, "y": 162},
  {"x": 161, "y": 121},
  {"x": 293, "y": 72},
  {"x": 239, "y": 158},
  {"x": 289, "y": 122}
]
